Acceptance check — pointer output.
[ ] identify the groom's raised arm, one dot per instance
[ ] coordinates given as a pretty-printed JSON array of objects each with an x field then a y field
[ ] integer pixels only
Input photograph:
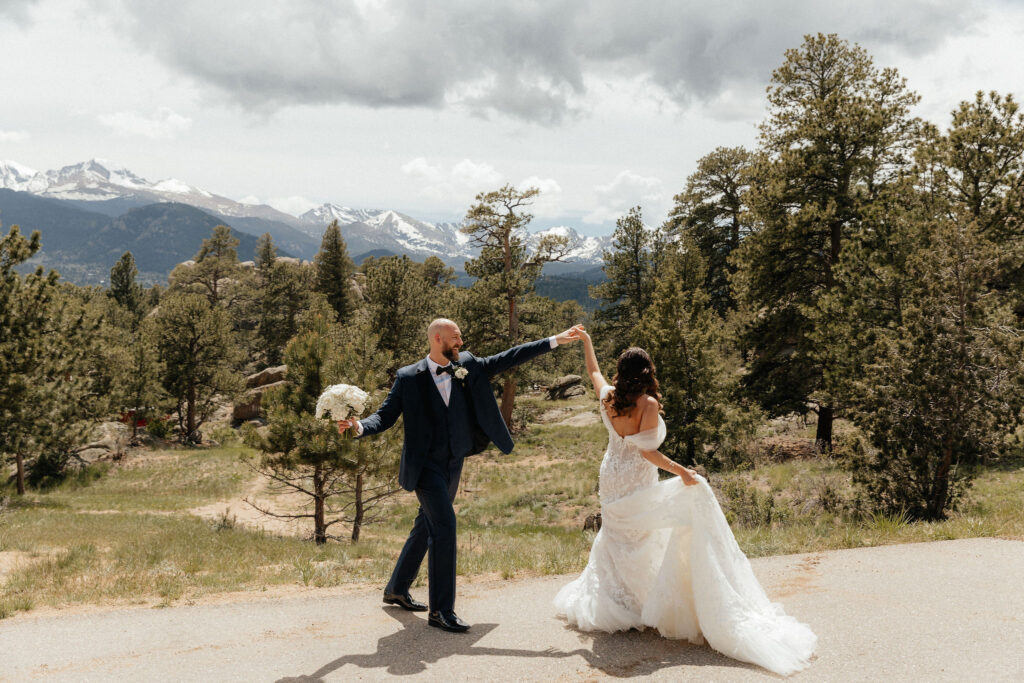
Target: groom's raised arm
[
  {"x": 386, "y": 415},
  {"x": 500, "y": 362}
]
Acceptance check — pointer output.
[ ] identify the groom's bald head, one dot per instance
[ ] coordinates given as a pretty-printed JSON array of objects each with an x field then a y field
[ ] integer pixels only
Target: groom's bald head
[{"x": 445, "y": 338}]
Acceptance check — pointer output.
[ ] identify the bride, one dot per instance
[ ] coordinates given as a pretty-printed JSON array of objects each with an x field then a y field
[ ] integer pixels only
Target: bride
[{"x": 665, "y": 557}]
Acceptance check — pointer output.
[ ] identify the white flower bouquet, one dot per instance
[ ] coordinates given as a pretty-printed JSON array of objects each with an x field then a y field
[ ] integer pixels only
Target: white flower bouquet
[{"x": 341, "y": 401}]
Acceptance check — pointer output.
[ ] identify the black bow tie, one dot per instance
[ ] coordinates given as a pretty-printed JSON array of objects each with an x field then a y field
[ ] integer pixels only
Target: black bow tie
[{"x": 450, "y": 369}]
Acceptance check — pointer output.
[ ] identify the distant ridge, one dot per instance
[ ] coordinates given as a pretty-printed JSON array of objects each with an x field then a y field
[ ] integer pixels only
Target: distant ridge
[{"x": 106, "y": 187}]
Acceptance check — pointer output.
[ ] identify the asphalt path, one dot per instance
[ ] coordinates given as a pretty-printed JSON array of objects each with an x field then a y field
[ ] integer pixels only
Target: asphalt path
[{"x": 942, "y": 611}]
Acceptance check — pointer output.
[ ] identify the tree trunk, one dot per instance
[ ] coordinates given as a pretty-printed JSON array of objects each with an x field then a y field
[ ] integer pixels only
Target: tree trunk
[
  {"x": 940, "y": 487},
  {"x": 191, "y": 413},
  {"x": 823, "y": 435},
  {"x": 20, "y": 460},
  {"x": 319, "y": 527},
  {"x": 357, "y": 523},
  {"x": 508, "y": 399}
]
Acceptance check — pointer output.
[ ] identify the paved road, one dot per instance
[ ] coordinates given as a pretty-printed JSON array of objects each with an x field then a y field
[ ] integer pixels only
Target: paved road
[{"x": 944, "y": 611}]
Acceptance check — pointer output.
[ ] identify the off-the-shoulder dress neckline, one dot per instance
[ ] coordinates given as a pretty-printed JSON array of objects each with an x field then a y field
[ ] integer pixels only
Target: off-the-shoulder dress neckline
[{"x": 612, "y": 424}]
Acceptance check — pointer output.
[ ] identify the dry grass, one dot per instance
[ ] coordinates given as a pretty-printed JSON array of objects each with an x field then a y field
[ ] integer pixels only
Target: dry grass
[{"x": 128, "y": 537}]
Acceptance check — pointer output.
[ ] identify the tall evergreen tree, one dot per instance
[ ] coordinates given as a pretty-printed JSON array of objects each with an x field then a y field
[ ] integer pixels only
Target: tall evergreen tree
[
  {"x": 941, "y": 390},
  {"x": 123, "y": 287},
  {"x": 506, "y": 271},
  {"x": 266, "y": 253},
  {"x": 630, "y": 272},
  {"x": 838, "y": 132},
  {"x": 71, "y": 385},
  {"x": 198, "y": 356},
  {"x": 712, "y": 210},
  {"x": 281, "y": 293},
  {"x": 400, "y": 304},
  {"x": 25, "y": 309},
  {"x": 979, "y": 166},
  {"x": 334, "y": 271},
  {"x": 684, "y": 336}
]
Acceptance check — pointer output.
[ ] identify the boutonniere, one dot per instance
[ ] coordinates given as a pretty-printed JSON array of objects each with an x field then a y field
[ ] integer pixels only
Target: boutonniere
[{"x": 461, "y": 373}]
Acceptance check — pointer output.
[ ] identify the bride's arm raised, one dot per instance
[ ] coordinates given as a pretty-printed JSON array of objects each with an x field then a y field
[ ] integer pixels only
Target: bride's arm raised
[
  {"x": 648, "y": 421},
  {"x": 593, "y": 370}
]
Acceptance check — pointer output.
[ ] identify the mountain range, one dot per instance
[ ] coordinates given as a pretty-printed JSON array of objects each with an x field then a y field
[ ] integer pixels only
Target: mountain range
[{"x": 90, "y": 213}]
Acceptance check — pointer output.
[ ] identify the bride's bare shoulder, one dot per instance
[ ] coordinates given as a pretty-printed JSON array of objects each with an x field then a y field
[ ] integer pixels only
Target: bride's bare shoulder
[{"x": 648, "y": 402}]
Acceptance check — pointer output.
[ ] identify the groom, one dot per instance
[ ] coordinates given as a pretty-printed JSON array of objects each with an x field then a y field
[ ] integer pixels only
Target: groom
[{"x": 450, "y": 413}]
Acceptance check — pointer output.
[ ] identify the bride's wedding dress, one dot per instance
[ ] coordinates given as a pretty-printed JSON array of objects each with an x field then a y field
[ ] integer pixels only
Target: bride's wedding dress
[{"x": 666, "y": 558}]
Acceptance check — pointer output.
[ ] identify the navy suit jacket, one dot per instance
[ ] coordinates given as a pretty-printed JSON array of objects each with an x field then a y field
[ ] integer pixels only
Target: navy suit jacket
[{"x": 409, "y": 397}]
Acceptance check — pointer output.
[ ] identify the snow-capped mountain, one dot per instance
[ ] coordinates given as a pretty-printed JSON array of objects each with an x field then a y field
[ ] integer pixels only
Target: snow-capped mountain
[
  {"x": 583, "y": 249},
  {"x": 323, "y": 215},
  {"x": 365, "y": 230},
  {"x": 103, "y": 180},
  {"x": 393, "y": 231},
  {"x": 14, "y": 176}
]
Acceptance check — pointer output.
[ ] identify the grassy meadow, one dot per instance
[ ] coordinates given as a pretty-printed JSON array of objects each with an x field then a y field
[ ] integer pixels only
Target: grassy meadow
[{"x": 129, "y": 533}]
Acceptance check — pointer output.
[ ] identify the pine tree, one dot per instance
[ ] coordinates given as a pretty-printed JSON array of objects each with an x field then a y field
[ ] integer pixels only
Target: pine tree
[
  {"x": 123, "y": 288},
  {"x": 215, "y": 272},
  {"x": 506, "y": 271},
  {"x": 281, "y": 292},
  {"x": 345, "y": 478},
  {"x": 71, "y": 385},
  {"x": 25, "y": 309},
  {"x": 838, "y": 132},
  {"x": 198, "y": 355},
  {"x": 334, "y": 271},
  {"x": 266, "y": 253},
  {"x": 979, "y": 165},
  {"x": 399, "y": 306},
  {"x": 927, "y": 356},
  {"x": 436, "y": 273},
  {"x": 684, "y": 336},
  {"x": 630, "y": 272},
  {"x": 138, "y": 372},
  {"x": 941, "y": 390},
  {"x": 712, "y": 210}
]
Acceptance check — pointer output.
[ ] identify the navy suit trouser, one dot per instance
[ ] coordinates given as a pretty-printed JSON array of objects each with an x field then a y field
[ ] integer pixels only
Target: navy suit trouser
[{"x": 433, "y": 535}]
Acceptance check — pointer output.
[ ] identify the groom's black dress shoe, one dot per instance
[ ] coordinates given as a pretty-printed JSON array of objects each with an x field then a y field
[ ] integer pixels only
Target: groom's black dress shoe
[
  {"x": 448, "y": 621},
  {"x": 405, "y": 601}
]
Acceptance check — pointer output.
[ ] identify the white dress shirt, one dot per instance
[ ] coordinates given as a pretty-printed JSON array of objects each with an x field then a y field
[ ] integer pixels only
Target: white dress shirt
[{"x": 443, "y": 382}]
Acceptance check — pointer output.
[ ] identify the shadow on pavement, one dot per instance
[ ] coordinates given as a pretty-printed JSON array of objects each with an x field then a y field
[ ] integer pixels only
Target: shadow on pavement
[
  {"x": 409, "y": 651},
  {"x": 642, "y": 653}
]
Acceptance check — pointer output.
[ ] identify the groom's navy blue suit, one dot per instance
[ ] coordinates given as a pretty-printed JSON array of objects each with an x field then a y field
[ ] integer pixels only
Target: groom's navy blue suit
[{"x": 437, "y": 438}]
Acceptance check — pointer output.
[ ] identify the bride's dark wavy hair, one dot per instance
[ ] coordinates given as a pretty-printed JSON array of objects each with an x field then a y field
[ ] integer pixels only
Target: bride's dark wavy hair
[{"x": 635, "y": 375}]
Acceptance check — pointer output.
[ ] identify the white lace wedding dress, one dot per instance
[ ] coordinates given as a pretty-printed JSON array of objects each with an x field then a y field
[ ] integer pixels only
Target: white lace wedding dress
[{"x": 666, "y": 558}]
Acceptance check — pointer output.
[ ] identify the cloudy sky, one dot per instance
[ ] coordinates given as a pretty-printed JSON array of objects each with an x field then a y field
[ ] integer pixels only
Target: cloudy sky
[{"x": 418, "y": 105}]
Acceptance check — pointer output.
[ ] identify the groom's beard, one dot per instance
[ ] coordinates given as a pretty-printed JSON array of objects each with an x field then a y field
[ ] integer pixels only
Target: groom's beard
[{"x": 450, "y": 353}]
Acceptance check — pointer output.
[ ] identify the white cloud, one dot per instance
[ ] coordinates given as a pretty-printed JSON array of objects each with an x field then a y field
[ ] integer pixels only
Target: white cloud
[
  {"x": 545, "y": 185},
  {"x": 525, "y": 61},
  {"x": 626, "y": 190},
  {"x": 295, "y": 205},
  {"x": 457, "y": 184},
  {"x": 251, "y": 199},
  {"x": 548, "y": 203},
  {"x": 13, "y": 136},
  {"x": 422, "y": 168},
  {"x": 163, "y": 124}
]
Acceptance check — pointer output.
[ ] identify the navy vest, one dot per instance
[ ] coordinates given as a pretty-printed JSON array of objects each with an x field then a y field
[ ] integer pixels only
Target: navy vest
[{"x": 452, "y": 436}]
